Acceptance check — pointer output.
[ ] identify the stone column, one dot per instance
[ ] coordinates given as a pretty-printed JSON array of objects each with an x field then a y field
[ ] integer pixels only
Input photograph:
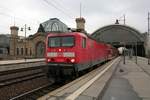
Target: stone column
[
  {"x": 80, "y": 24},
  {"x": 13, "y": 40}
]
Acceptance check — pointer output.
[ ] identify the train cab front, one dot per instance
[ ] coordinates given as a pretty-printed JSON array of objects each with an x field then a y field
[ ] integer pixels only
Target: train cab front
[{"x": 60, "y": 55}]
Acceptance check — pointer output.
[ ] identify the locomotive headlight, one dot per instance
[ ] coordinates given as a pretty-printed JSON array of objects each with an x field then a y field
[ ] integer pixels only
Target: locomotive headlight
[
  {"x": 69, "y": 54},
  {"x": 48, "y": 60},
  {"x": 72, "y": 60},
  {"x": 52, "y": 54}
]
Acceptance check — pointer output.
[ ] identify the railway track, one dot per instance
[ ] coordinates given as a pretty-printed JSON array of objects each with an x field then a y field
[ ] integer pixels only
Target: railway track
[
  {"x": 19, "y": 81},
  {"x": 40, "y": 91},
  {"x": 27, "y": 83},
  {"x": 36, "y": 93}
]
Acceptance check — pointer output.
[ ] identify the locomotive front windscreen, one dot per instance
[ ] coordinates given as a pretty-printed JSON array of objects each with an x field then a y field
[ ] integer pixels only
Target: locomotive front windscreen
[{"x": 61, "y": 41}]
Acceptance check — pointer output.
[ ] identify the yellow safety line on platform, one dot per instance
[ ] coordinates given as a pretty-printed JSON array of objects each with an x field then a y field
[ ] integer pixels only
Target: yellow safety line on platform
[{"x": 74, "y": 95}]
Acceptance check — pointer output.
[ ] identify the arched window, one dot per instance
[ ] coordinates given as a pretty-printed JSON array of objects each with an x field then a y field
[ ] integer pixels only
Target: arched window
[
  {"x": 1, "y": 51},
  {"x": 17, "y": 51},
  {"x": 55, "y": 27},
  {"x": 30, "y": 52},
  {"x": 40, "y": 49},
  {"x": 21, "y": 51}
]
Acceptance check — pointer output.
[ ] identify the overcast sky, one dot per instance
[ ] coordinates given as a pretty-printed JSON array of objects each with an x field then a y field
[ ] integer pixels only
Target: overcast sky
[{"x": 97, "y": 13}]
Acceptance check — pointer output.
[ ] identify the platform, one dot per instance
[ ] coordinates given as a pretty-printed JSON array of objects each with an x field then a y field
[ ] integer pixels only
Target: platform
[
  {"x": 130, "y": 82},
  {"x": 5, "y": 62},
  {"x": 18, "y": 64}
]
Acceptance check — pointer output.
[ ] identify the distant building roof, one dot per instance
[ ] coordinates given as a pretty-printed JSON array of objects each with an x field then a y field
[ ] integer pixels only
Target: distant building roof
[
  {"x": 53, "y": 25},
  {"x": 118, "y": 33}
]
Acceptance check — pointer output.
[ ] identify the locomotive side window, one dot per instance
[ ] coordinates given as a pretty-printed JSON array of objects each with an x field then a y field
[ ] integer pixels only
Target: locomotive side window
[
  {"x": 92, "y": 44},
  {"x": 83, "y": 42},
  {"x": 61, "y": 41}
]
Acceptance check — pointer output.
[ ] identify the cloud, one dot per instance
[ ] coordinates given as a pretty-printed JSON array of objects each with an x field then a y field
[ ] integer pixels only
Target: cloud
[{"x": 98, "y": 13}]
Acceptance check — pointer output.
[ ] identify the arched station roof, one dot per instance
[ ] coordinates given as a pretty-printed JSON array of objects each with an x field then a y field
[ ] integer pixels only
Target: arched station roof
[{"x": 117, "y": 33}]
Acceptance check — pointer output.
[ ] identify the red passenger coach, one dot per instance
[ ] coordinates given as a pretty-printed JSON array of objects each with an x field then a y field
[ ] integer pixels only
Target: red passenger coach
[{"x": 69, "y": 53}]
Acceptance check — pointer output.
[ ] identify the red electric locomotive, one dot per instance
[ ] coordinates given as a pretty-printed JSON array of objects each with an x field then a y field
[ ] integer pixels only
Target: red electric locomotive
[{"x": 69, "y": 53}]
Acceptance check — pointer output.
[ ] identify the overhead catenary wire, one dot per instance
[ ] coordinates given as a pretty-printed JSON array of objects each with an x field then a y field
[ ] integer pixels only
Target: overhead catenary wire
[
  {"x": 57, "y": 8},
  {"x": 65, "y": 8},
  {"x": 11, "y": 14},
  {"x": 15, "y": 18}
]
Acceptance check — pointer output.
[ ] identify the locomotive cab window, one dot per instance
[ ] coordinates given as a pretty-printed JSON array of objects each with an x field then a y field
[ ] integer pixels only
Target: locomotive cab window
[
  {"x": 53, "y": 41},
  {"x": 67, "y": 41},
  {"x": 83, "y": 42}
]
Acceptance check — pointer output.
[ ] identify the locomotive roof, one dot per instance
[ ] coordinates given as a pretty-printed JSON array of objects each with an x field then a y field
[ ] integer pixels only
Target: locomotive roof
[
  {"x": 72, "y": 33},
  {"x": 65, "y": 34},
  {"x": 76, "y": 33}
]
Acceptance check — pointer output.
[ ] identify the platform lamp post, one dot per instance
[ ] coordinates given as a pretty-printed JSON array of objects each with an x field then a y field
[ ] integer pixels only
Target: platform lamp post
[
  {"x": 123, "y": 18},
  {"x": 136, "y": 52},
  {"x": 25, "y": 28},
  {"x": 124, "y": 53},
  {"x": 148, "y": 33},
  {"x": 148, "y": 57}
]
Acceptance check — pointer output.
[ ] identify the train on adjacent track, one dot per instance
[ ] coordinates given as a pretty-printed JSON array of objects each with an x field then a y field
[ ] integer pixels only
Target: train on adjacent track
[{"x": 70, "y": 53}]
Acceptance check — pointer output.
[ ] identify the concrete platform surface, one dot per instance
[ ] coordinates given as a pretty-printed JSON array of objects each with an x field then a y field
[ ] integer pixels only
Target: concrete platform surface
[
  {"x": 19, "y": 64},
  {"x": 5, "y": 62},
  {"x": 130, "y": 82}
]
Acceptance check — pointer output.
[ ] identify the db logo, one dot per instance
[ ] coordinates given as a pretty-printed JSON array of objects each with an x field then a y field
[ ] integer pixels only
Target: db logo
[{"x": 60, "y": 54}]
